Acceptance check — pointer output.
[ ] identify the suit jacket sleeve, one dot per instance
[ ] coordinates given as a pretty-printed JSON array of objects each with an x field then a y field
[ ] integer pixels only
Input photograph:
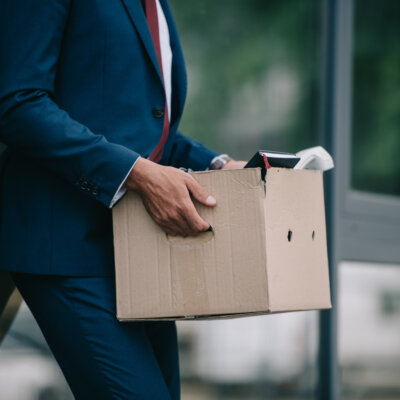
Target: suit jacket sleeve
[
  {"x": 31, "y": 123},
  {"x": 189, "y": 153}
]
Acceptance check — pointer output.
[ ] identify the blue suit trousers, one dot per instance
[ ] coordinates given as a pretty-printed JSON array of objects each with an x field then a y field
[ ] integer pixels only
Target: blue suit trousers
[{"x": 101, "y": 357}]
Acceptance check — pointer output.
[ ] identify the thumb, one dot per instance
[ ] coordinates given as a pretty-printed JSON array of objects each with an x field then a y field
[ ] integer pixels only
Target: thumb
[{"x": 199, "y": 193}]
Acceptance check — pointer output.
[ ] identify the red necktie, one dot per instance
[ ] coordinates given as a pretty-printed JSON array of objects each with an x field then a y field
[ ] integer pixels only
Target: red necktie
[{"x": 150, "y": 8}]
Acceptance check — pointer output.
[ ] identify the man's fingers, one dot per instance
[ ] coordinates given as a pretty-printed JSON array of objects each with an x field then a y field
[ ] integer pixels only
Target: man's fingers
[
  {"x": 171, "y": 206},
  {"x": 175, "y": 223},
  {"x": 199, "y": 193},
  {"x": 194, "y": 221}
]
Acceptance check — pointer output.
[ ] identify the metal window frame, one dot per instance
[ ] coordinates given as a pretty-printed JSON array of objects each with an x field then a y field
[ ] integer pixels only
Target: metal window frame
[
  {"x": 361, "y": 226},
  {"x": 368, "y": 223}
]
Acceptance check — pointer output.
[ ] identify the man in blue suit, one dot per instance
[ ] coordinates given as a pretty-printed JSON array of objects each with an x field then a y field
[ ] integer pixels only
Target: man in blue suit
[{"x": 91, "y": 94}]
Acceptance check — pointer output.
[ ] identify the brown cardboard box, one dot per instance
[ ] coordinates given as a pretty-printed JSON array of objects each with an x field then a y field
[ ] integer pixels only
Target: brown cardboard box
[
  {"x": 267, "y": 252},
  {"x": 10, "y": 300}
]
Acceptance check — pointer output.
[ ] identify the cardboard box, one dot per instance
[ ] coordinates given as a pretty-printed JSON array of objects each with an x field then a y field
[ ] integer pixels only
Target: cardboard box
[
  {"x": 266, "y": 254},
  {"x": 10, "y": 300}
]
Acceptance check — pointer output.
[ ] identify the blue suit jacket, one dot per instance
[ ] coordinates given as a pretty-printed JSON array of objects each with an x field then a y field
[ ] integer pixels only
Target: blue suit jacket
[{"x": 79, "y": 91}]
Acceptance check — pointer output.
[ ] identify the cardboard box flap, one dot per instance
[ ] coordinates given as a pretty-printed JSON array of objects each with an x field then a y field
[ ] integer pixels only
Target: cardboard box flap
[{"x": 297, "y": 263}]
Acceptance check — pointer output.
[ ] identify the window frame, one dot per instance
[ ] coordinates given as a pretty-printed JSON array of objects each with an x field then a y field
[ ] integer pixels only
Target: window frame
[
  {"x": 367, "y": 223},
  {"x": 361, "y": 226}
]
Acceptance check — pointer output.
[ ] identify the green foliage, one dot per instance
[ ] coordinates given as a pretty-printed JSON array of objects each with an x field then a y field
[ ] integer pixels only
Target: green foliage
[{"x": 253, "y": 71}]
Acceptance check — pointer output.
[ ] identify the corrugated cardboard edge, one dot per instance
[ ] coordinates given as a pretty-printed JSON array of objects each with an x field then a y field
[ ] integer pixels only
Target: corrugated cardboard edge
[
  {"x": 219, "y": 316},
  {"x": 10, "y": 301},
  {"x": 329, "y": 306},
  {"x": 120, "y": 208}
]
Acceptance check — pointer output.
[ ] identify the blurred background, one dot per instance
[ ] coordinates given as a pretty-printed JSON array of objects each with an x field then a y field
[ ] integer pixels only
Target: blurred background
[{"x": 285, "y": 75}]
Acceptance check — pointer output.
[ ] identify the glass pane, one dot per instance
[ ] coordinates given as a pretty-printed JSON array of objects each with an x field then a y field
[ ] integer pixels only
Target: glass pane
[
  {"x": 253, "y": 73},
  {"x": 369, "y": 331},
  {"x": 376, "y": 97}
]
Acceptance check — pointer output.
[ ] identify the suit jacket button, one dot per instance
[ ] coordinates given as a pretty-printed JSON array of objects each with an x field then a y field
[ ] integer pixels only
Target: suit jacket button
[
  {"x": 157, "y": 112},
  {"x": 84, "y": 185},
  {"x": 95, "y": 191}
]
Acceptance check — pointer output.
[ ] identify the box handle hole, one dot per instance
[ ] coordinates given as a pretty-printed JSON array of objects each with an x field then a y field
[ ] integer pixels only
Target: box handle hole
[
  {"x": 199, "y": 239},
  {"x": 289, "y": 235},
  {"x": 313, "y": 235}
]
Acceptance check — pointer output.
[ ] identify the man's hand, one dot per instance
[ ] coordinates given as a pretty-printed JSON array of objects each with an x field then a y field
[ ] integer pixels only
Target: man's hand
[
  {"x": 165, "y": 192},
  {"x": 233, "y": 164}
]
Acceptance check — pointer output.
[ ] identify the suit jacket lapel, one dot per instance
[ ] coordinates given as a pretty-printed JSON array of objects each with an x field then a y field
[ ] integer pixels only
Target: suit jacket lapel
[
  {"x": 179, "y": 82},
  {"x": 136, "y": 15}
]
